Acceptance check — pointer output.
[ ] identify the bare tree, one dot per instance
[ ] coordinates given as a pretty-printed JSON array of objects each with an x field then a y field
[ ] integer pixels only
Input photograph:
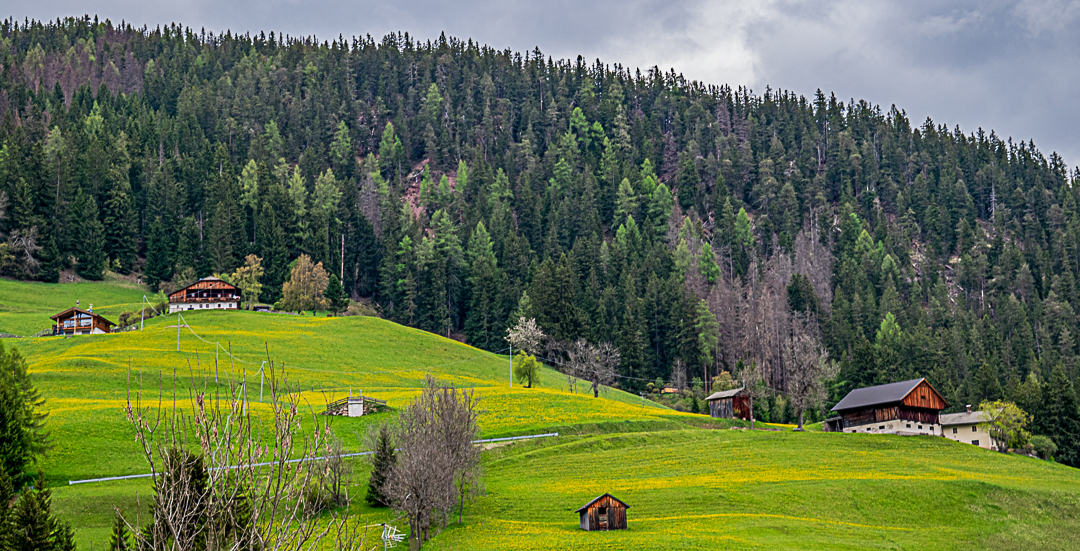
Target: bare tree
[
  {"x": 754, "y": 384},
  {"x": 218, "y": 486},
  {"x": 24, "y": 246},
  {"x": 593, "y": 363},
  {"x": 437, "y": 464},
  {"x": 678, "y": 374},
  {"x": 809, "y": 368}
]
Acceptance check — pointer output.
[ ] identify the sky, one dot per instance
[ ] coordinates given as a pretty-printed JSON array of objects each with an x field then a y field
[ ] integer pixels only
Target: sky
[{"x": 1008, "y": 66}]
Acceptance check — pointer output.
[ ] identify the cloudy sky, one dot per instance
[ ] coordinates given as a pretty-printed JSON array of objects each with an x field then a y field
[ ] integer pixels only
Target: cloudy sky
[{"x": 1010, "y": 66}]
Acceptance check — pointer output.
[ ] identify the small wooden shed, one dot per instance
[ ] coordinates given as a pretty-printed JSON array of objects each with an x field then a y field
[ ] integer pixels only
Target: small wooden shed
[
  {"x": 730, "y": 404},
  {"x": 603, "y": 513}
]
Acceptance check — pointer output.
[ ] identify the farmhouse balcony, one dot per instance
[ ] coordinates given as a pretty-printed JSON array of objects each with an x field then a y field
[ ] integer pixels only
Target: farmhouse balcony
[{"x": 218, "y": 298}]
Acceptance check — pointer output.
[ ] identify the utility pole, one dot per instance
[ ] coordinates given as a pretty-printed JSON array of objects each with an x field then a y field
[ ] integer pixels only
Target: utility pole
[
  {"x": 178, "y": 331},
  {"x": 511, "y": 366}
]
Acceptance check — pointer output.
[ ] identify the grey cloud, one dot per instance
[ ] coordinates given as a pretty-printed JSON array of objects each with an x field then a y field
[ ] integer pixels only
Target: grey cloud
[{"x": 1012, "y": 66}]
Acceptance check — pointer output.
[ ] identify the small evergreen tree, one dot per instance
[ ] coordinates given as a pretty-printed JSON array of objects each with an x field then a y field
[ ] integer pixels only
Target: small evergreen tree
[
  {"x": 121, "y": 538},
  {"x": 337, "y": 300},
  {"x": 383, "y": 462},
  {"x": 33, "y": 527}
]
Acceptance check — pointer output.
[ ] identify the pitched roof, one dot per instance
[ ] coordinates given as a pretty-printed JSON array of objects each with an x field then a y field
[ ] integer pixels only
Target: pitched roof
[
  {"x": 598, "y": 498},
  {"x": 962, "y": 418},
  {"x": 725, "y": 394},
  {"x": 874, "y": 395},
  {"x": 81, "y": 311},
  {"x": 205, "y": 279}
]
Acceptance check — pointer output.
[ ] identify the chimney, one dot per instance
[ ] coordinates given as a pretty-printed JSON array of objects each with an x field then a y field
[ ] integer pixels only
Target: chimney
[{"x": 969, "y": 408}]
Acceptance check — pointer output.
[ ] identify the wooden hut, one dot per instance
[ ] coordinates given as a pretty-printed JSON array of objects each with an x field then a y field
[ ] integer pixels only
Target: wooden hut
[
  {"x": 906, "y": 407},
  {"x": 76, "y": 321},
  {"x": 207, "y": 293},
  {"x": 603, "y": 513},
  {"x": 730, "y": 404}
]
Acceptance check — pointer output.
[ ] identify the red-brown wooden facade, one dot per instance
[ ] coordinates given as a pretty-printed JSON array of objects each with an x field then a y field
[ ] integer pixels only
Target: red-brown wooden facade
[
  {"x": 603, "y": 513},
  {"x": 922, "y": 404},
  {"x": 76, "y": 321},
  {"x": 210, "y": 289}
]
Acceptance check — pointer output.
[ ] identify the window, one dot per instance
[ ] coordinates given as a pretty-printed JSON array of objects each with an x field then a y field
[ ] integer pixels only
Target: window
[
  {"x": 975, "y": 428},
  {"x": 882, "y": 427},
  {"x": 920, "y": 427},
  {"x": 954, "y": 430},
  {"x": 909, "y": 425},
  {"x": 975, "y": 442}
]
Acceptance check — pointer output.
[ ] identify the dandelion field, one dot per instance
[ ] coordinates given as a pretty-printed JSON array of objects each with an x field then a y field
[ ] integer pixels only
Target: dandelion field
[{"x": 691, "y": 483}]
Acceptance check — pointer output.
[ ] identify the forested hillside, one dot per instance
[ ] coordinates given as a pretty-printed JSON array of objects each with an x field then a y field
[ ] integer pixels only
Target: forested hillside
[{"x": 457, "y": 187}]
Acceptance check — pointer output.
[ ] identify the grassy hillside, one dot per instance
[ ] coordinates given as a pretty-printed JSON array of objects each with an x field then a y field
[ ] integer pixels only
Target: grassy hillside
[
  {"x": 721, "y": 489},
  {"x": 25, "y": 307},
  {"x": 688, "y": 486}
]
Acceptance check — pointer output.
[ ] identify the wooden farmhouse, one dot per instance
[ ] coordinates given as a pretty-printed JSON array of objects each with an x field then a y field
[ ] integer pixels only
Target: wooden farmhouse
[
  {"x": 603, "y": 513},
  {"x": 730, "y": 404},
  {"x": 76, "y": 321},
  {"x": 907, "y": 407},
  {"x": 207, "y": 293}
]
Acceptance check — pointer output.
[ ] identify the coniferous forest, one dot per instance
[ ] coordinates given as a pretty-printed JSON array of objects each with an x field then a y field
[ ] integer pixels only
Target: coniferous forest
[{"x": 698, "y": 228}]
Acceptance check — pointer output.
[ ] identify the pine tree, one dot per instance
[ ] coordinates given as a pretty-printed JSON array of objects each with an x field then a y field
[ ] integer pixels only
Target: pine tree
[
  {"x": 159, "y": 266},
  {"x": 336, "y": 299},
  {"x": 33, "y": 525},
  {"x": 121, "y": 537},
  {"x": 382, "y": 463},
  {"x": 119, "y": 221},
  {"x": 91, "y": 239}
]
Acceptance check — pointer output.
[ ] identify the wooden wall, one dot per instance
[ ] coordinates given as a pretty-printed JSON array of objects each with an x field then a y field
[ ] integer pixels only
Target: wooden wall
[
  {"x": 924, "y": 396},
  {"x": 616, "y": 515}
]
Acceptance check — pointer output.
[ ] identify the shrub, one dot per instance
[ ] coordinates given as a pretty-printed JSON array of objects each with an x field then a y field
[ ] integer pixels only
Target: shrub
[{"x": 1044, "y": 447}]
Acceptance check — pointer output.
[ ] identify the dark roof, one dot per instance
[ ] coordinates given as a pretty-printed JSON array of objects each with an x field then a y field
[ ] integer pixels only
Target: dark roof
[
  {"x": 211, "y": 278},
  {"x": 80, "y": 310},
  {"x": 598, "y": 498},
  {"x": 874, "y": 395},
  {"x": 725, "y": 394}
]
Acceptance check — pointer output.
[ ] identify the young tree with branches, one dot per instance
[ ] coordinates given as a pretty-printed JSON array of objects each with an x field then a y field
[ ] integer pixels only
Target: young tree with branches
[
  {"x": 594, "y": 363},
  {"x": 809, "y": 368},
  {"x": 306, "y": 286},
  {"x": 218, "y": 486},
  {"x": 437, "y": 464}
]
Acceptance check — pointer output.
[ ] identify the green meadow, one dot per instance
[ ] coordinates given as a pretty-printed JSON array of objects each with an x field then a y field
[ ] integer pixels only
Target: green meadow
[
  {"x": 691, "y": 483},
  {"x": 25, "y": 307}
]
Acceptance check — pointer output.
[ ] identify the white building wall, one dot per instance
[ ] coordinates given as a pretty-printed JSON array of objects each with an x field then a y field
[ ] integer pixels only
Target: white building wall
[
  {"x": 896, "y": 426},
  {"x": 969, "y": 434},
  {"x": 175, "y": 307}
]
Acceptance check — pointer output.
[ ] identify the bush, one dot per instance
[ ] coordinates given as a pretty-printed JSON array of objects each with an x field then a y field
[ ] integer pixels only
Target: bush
[
  {"x": 127, "y": 318},
  {"x": 1044, "y": 447}
]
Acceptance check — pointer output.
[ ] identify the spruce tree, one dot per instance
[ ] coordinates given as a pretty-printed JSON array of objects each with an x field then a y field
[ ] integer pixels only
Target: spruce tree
[
  {"x": 90, "y": 237},
  {"x": 33, "y": 527},
  {"x": 121, "y": 537},
  {"x": 159, "y": 266},
  {"x": 337, "y": 300},
  {"x": 382, "y": 463}
]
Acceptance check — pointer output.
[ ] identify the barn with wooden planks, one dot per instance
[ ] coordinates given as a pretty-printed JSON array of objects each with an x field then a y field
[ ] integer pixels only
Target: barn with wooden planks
[
  {"x": 603, "y": 513},
  {"x": 730, "y": 404},
  {"x": 907, "y": 407}
]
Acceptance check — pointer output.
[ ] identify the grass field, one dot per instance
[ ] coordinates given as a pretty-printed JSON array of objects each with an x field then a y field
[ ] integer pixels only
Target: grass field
[
  {"x": 721, "y": 489},
  {"x": 690, "y": 485},
  {"x": 25, "y": 307}
]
